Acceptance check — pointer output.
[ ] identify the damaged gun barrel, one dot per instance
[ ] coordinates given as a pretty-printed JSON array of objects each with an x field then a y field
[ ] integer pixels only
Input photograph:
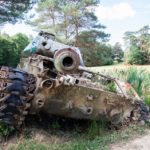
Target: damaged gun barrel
[{"x": 66, "y": 60}]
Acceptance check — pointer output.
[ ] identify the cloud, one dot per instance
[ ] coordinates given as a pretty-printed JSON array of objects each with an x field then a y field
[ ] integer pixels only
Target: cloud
[{"x": 115, "y": 12}]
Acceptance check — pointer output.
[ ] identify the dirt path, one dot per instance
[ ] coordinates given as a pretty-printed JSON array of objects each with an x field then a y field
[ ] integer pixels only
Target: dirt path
[{"x": 140, "y": 143}]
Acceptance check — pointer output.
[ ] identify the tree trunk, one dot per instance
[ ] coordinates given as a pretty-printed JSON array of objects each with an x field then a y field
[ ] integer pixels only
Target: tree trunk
[
  {"x": 65, "y": 26},
  {"x": 76, "y": 33}
]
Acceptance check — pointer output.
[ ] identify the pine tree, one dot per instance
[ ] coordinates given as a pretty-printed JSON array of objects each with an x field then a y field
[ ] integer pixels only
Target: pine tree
[
  {"x": 66, "y": 18},
  {"x": 11, "y": 10}
]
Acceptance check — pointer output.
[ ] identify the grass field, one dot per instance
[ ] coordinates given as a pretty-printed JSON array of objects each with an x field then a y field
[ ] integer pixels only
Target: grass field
[
  {"x": 119, "y": 67},
  {"x": 82, "y": 137}
]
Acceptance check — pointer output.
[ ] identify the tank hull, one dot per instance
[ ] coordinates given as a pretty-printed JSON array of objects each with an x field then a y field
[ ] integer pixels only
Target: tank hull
[{"x": 80, "y": 97}]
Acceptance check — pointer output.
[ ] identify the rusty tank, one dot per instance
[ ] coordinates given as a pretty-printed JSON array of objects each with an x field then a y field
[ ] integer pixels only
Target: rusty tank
[{"x": 51, "y": 78}]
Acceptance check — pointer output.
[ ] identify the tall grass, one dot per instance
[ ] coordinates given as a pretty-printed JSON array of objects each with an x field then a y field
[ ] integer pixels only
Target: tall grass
[{"x": 138, "y": 78}]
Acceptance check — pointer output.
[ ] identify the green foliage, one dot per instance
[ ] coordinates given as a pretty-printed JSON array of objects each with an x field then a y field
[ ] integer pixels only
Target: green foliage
[
  {"x": 104, "y": 54},
  {"x": 138, "y": 78},
  {"x": 138, "y": 46},
  {"x": 147, "y": 99},
  {"x": 96, "y": 128},
  {"x": 5, "y": 130},
  {"x": 55, "y": 125},
  {"x": 111, "y": 87},
  {"x": 89, "y": 38},
  {"x": 135, "y": 56},
  {"x": 118, "y": 52},
  {"x": 30, "y": 145},
  {"x": 97, "y": 55},
  {"x": 95, "y": 51},
  {"x": 11, "y": 10},
  {"x": 75, "y": 23},
  {"x": 66, "y": 18},
  {"x": 11, "y": 47}
]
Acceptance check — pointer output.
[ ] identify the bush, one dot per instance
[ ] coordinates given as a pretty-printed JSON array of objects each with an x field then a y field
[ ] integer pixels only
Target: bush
[
  {"x": 5, "y": 130},
  {"x": 11, "y": 48},
  {"x": 98, "y": 55},
  {"x": 135, "y": 56}
]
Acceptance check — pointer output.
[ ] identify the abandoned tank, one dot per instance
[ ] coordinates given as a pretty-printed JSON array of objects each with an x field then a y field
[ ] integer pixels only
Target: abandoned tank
[{"x": 51, "y": 78}]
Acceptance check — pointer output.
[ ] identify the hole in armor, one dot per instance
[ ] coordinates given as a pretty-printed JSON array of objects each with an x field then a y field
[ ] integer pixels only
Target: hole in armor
[
  {"x": 47, "y": 83},
  {"x": 77, "y": 81},
  {"x": 89, "y": 110},
  {"x": 44, "y": 43},
  {"x": 40, "y": 103}
]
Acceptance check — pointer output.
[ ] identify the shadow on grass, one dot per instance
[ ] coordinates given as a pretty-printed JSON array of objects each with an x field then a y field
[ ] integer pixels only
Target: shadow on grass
[
  {"x": 55, "y": 133},
  {"x": 74, "y": 127}
]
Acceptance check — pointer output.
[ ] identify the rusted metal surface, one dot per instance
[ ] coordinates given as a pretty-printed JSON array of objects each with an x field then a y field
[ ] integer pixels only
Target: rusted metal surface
[
  {"x": 81, "y": 95},
  {"x": 55, "y": 81}
]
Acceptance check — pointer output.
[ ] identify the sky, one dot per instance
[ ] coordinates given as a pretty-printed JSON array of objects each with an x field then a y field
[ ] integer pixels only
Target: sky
[{"x": 118, "y": 16}]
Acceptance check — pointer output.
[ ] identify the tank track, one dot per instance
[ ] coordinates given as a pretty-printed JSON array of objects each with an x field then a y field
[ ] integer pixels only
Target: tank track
[
  {"x": 16, "y": 92},
  {"x": 139, "y": 115}
]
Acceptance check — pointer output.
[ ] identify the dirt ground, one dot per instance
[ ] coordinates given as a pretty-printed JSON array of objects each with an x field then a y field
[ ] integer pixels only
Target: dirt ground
[
  {"x": 139, "y": 143},
  {"x": 47, "y": 132}
]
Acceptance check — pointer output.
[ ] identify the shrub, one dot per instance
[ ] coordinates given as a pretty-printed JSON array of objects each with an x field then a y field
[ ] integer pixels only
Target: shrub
[
  {"x": 135, "y": 56},
  {"x": 5, "y": 130}
]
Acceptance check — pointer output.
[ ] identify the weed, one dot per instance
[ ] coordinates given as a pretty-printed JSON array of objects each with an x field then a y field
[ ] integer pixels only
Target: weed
[
  {"x": 29, "y": 145},
  {"x": 111, "y": 87},
  {"x": 5, "y": 130},
  {"x": 147, "y": 100},
  {"x": 138, "y": 78},
  {"x": 96, "y": 128},
  {"x": 55, "y": 125},
  {"x": 27, "y": 133}
]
